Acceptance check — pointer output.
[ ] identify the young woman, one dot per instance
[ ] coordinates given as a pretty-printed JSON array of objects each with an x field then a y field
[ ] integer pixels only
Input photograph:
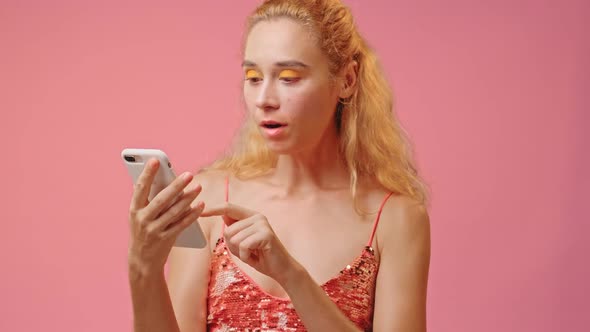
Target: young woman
[{"x": 316, "y": 221}]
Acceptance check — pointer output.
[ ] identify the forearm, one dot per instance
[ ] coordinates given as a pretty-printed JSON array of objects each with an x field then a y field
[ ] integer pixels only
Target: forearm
[
  {"x": 316, "y": 310},
  {"x": 152, "y": 308}
]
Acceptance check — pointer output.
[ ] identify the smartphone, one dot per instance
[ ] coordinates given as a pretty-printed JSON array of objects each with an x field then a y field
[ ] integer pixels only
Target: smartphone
[{"x": 135, "y": 160}]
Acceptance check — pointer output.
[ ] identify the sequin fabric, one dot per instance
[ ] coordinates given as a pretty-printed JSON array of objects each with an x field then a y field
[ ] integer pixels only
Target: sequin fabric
[{"x": 237, "y": 303}]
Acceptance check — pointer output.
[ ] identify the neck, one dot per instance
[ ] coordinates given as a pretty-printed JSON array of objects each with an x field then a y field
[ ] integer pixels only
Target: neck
[{"x": 320, "y": 168}]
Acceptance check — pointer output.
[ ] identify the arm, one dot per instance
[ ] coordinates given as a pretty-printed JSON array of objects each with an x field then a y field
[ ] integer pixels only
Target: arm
[
  {"x": 188, "y": 269},
  {"x": 180, "y": 305},
  {"x": 179, "y": 301},
  {"x": 176, "y": 302},
  {"x": 315, "y": 308},
  {"x": 400, "y": 295},
  {"x": 188, "y": 277},
  {"x": 152, "y": 310}
]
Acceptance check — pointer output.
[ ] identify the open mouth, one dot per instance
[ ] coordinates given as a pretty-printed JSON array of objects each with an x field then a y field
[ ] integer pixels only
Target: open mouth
[
  {"x": 273, "y": 129},
  {"x": 272, "y": 125}
]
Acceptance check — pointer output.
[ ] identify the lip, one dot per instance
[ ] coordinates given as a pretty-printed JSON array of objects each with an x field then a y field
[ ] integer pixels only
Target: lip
[
  {"x": 270, "y": 122},
  {"x": 273, "y": 132}
]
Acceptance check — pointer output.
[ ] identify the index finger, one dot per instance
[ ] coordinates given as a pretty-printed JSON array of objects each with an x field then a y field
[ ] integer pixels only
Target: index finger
[
  {"x": 144, "y": 184},
  {"x": 166, "y": 198},
  {"x": 232, "y": 211}
]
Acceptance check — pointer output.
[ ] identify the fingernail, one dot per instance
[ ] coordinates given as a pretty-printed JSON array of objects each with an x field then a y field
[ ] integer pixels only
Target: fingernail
[
  {"x": 186, "y": 176},
  {"x": 153, "y": 162}
]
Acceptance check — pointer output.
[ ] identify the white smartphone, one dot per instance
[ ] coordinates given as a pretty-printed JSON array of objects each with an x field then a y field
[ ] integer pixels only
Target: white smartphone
[{"x": 135, "y": 160}]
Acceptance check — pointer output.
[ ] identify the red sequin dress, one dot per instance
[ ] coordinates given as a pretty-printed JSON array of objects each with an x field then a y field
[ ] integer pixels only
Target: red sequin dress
[{"x": 237, "y": 303}]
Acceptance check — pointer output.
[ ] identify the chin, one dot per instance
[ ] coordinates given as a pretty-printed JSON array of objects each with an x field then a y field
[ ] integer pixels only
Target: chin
[
  {"x": 281, "y": 148},
  {"x": 285, "y": 147}
]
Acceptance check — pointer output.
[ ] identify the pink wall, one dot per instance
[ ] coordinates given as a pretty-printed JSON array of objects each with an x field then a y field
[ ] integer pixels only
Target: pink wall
[{"x": 492, "y": 93}]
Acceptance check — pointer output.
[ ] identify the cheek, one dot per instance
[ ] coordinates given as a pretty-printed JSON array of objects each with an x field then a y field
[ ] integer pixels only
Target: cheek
[
  {"x": 313, "y": 108},
  {"x": 297, "y": 106},
  {"x": 249, "y": 99}
]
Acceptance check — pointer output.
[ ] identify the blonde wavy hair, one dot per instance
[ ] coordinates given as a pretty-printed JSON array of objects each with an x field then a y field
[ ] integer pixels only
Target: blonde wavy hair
[{"x": 372, "y": 143}]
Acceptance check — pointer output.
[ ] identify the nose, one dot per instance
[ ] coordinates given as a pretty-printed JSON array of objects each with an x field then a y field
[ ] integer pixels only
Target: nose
[{"x": 267, "y": 98}]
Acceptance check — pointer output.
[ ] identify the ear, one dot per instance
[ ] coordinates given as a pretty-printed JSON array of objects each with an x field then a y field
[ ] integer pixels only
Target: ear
[{"x": 348, "y": 80}]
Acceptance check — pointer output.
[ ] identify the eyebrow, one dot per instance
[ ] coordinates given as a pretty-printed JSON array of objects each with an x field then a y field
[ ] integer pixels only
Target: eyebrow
[{"x": 290, "y": 63}]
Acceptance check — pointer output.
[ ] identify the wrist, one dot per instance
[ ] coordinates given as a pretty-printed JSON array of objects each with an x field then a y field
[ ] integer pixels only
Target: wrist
[
  {"x": 292, "y": 276},
  {"x": 138, "y": 270},
  {"x": 141, "y": 280}
]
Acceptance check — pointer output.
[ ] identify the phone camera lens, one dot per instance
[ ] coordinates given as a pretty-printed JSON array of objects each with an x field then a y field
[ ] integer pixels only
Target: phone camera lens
[{"x": 129, "y": 158}]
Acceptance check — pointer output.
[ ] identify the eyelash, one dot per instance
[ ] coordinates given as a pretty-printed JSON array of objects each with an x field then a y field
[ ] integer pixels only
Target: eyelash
[
  {"x": 288, "y": 80},
  {"x": 252, "y": 79}
]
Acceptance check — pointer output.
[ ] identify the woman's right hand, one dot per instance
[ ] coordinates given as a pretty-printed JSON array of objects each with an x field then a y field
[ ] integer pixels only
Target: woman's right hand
[{"x": 154, "y": 225}]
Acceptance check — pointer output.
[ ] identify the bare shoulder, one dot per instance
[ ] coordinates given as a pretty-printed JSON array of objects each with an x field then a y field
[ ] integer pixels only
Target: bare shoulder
[
  {"x": 213, "y": 183},
  {"x": 403, "y": 222},
  {"x": 212, "y": 193}
]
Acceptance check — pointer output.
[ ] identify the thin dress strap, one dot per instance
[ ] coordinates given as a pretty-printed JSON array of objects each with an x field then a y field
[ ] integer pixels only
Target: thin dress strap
[
  {"x": 370, "y": 243},
  {"x": 226, "y": 200},
  {"x": 227, "y": 189}
]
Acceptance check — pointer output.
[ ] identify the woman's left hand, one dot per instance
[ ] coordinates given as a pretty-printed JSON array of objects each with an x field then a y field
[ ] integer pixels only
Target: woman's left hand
[{"x": 249, "y": 237}]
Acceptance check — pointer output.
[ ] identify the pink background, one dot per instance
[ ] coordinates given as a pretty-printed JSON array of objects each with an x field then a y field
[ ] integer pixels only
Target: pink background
[{"x": 494, "y": 94}]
